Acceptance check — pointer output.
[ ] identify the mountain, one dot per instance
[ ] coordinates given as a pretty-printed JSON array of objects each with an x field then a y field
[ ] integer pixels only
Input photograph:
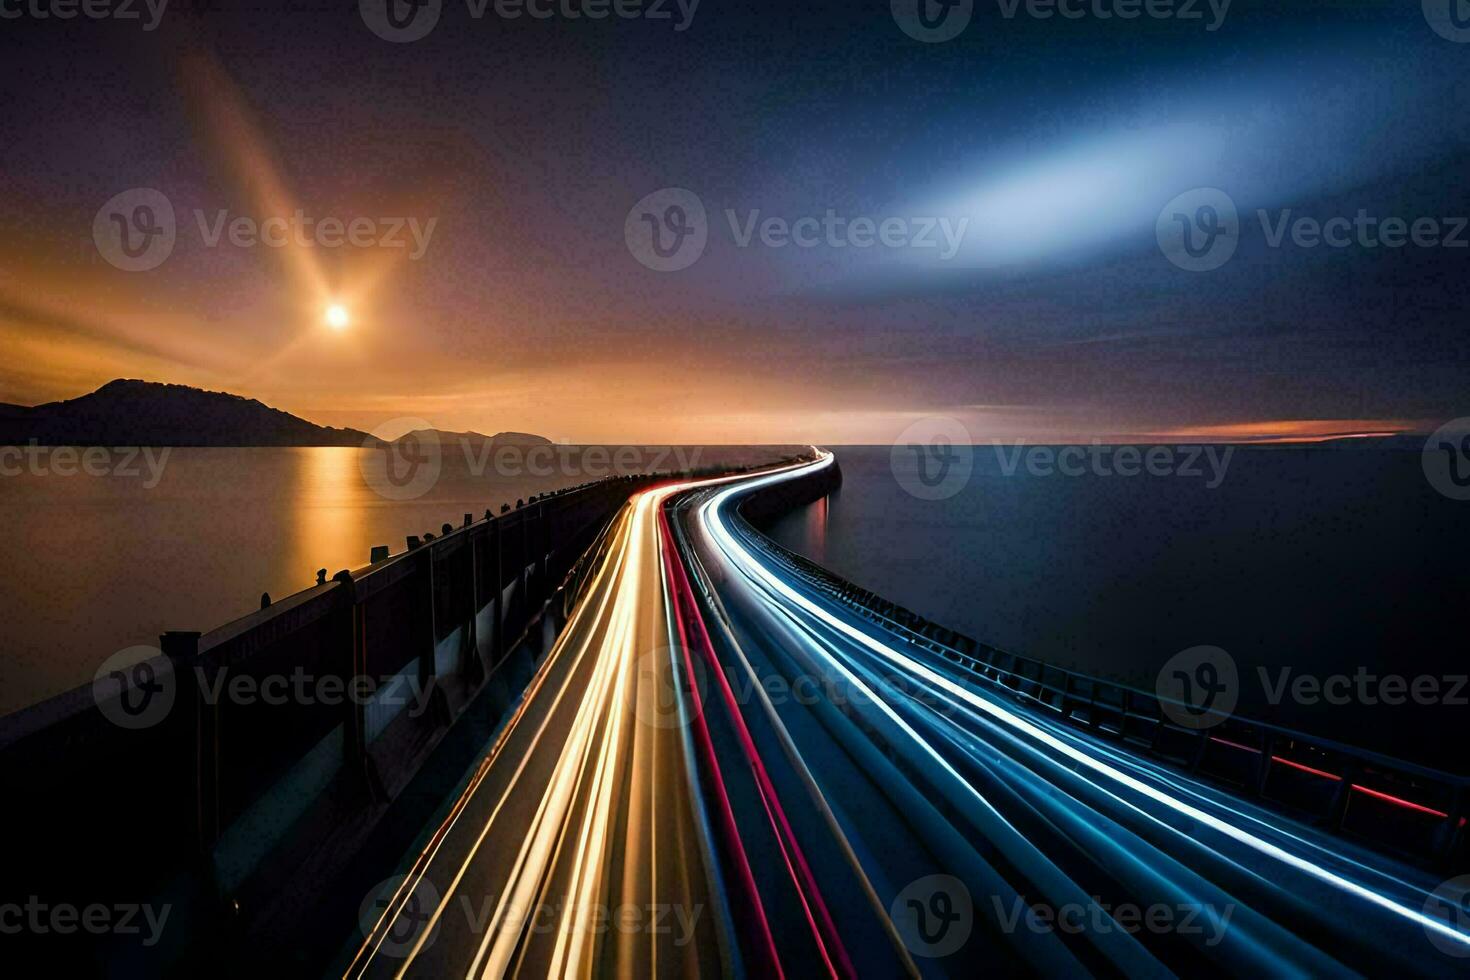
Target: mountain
[
  {"x": 499, "y": 439},
  {"x": 146, "y": 413}
]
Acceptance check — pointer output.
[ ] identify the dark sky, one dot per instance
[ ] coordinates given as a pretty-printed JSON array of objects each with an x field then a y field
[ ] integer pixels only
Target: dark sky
[{"x": 1057, "y": 142}]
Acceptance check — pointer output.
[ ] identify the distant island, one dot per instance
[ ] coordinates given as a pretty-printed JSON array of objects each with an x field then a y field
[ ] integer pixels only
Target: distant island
[{"x": 129, "y": 412}]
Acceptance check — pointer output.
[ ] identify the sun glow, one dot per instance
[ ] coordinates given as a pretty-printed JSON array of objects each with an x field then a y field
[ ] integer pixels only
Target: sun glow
[{"x": 337, "y": 317}]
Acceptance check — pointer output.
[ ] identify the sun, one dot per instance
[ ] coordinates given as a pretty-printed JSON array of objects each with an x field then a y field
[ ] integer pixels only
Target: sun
[{"x": 337, "y": 317}]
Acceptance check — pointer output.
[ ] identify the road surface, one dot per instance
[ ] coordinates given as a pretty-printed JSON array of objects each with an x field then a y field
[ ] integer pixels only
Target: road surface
[{"x": 721, "y": 770}]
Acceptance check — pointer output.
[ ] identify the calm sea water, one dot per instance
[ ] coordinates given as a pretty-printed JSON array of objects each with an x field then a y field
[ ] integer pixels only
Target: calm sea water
[
  {"x": 1326, "y": 562},
  {"x": 93, "y": 564},
  {"x": 1321, "y": 561}
]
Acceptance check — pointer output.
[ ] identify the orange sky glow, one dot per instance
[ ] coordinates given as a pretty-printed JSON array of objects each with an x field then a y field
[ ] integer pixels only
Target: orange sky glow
[{"x": 491, "y": 346}]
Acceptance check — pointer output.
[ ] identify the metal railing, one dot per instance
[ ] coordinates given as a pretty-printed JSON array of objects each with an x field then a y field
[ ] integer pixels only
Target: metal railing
[{"x": 1411, "y": 811}]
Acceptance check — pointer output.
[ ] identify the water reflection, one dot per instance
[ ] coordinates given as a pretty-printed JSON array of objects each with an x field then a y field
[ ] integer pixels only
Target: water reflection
[
  {"x": 1321, "y": 562},
  {"x": 816, "y": 530},
  {"x": 805, "y": 530},
  {"x": 93, "y": 565},
  {"x": 96, "y": 564},
  {"x": 326, "y": 524}
]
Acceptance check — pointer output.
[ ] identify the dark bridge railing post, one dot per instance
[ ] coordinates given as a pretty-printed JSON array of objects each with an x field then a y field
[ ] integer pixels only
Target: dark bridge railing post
[
  {"x": 522, "y": 576},
  {"x": 544, "y": 543},
  {"x": 473, "y": 666},
  {"x": 497, "y": 584},
  {"x": 430, "y": 638},
  {"x": 352, "y": 636},
  {"x": 199, "y": 716},
  {"x": 533, "y": 559}
]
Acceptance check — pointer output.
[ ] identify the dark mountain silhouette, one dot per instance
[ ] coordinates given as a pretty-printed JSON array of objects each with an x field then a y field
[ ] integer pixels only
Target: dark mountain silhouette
[
  {"x": 499, "y": 439},
  {"x": 147, "y": 413}
]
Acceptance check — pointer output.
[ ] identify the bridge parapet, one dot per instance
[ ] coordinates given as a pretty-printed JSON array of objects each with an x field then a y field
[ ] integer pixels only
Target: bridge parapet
[{"x": 267, "y": 750}]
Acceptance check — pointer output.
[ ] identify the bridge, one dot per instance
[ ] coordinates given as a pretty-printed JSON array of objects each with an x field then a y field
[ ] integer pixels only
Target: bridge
[
  {"x": 205, "y": 780},
  {"x": 648, "y": 741}
]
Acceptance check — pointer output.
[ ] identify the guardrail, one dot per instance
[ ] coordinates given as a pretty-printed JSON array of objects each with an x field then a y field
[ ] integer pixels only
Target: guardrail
[
  {"x": 263, "y": 752},
  {"x": 1411, "y": 811}
]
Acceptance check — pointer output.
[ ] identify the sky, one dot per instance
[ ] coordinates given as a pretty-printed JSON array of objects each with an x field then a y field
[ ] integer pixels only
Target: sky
[{"x": 506, "y": 175}]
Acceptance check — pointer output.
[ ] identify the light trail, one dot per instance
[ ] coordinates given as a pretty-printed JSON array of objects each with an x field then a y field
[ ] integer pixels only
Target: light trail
[
  {"x": 814, "y": 907},
  {"x": 795, "y": 826},
  {"x": 375, "y": 938},
  {"x": 591, "y": 803},
  {"x": 714, "y": 519}
]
